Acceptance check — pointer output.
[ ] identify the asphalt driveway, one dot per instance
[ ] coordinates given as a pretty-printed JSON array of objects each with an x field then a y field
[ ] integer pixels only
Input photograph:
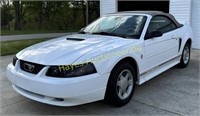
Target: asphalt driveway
[{"x": 174, "y": 92}]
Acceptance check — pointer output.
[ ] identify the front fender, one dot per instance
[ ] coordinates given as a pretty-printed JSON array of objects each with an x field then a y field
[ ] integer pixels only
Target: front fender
[
  {"x": 114, "y": 61},
  {"x": 105, "y": 61},
  {"x": 113, "y": 57}
]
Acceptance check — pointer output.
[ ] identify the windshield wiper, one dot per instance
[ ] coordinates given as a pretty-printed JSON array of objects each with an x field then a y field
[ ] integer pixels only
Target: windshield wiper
[{"x": 107, "y": 33}]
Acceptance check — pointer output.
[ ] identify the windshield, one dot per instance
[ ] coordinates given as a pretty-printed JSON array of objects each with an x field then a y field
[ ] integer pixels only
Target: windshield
[{"x": 124, "y": 26}]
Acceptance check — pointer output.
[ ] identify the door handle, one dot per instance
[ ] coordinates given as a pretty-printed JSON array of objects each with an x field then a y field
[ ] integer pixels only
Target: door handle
[{"x": 175, "y": 37}]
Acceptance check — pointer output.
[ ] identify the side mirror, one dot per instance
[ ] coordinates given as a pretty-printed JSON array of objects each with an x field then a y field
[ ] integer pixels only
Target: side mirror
[{"x": 154, "y": 34}]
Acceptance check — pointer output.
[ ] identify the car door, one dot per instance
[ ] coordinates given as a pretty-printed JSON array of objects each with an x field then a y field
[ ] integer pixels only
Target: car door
[{"x": 163, "y": 48}]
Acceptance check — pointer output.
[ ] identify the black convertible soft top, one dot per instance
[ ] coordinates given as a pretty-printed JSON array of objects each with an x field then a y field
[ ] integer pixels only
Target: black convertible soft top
[{"x": 154, "y": 13}]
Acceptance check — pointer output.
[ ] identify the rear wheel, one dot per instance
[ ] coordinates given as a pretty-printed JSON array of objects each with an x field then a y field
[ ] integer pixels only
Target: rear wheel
[
  {"x": 121, "y": 84},
  {"x": 185, "y": 58}
]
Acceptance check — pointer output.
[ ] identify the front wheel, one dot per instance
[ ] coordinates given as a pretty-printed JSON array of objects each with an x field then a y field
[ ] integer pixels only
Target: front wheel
[
  {"x": 121, "y": 85},
  {"x": 185, "y": 58}
]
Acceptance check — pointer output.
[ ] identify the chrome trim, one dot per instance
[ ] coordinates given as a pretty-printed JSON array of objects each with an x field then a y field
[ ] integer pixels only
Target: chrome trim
[{"x": 160, "y": 65}]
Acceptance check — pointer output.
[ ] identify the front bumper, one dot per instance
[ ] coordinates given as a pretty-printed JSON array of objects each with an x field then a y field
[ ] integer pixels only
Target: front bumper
[{"x": 58, "y": 91}]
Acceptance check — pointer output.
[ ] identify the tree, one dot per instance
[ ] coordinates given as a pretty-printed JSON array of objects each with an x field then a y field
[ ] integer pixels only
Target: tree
[
  {"x": 17, "y": 7},
  {"x": 6, "y": 17},
  {"x": 36, "y": 10},
  {"x": 93, "y": 10},
  {"x": 56, "y": 15}
]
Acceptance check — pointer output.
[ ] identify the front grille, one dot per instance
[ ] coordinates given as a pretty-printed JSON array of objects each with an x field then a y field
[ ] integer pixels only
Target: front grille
[{"x": 31, "y": 67}]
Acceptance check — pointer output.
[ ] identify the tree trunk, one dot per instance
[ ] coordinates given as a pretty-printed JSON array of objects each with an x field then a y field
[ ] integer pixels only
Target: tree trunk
[
  {"x": 17, "y": 15},
  {"x": 8, "y": 15},
  {"x": 40, "y": 15},
  {"x": 40, "y": 20},
  {"x": 84, "y": 13}
]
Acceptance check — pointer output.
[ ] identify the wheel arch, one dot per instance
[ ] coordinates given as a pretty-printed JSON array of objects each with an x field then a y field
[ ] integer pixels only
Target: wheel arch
[
  {"x": 189, "y": 41},
  {"x": 133, "y": 62},
  {"x": 182, "y": 63}
]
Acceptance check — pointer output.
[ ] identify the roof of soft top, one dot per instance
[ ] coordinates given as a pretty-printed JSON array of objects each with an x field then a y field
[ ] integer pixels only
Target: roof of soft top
[{"x": 152, "y": 13}]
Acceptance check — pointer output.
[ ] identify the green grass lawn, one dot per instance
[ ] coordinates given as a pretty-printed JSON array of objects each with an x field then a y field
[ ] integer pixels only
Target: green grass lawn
[
  {"x": 18, "y": 32},
  {"x": 12, "y": 47}
]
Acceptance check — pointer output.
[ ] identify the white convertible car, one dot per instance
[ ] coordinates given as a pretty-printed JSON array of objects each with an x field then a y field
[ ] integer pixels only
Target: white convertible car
[{"x": 104, "y": 61}]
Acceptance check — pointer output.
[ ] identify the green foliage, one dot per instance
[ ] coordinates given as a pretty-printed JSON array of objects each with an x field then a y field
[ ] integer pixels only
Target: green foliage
[
  {"x": 48, "y": 15},
  {"x": 19, "y": 32},
  {"x": 6, "y": 16},
  {"x": 12, "y": 47}
]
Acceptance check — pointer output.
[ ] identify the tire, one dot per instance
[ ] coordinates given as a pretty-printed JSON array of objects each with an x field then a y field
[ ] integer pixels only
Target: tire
[
  {"x": 185, "y": 58},
  {"x": 121, "y": 84}
]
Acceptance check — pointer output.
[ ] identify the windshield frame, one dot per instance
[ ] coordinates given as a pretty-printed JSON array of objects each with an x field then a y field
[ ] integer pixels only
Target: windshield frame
[{"x": 82, "y": 31}]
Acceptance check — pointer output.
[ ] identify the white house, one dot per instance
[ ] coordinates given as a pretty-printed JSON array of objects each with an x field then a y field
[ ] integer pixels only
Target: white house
[{"x": 185, "y": 11}]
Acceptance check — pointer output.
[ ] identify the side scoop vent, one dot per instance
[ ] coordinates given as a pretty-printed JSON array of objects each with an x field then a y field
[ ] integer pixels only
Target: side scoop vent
[{"x": 75, "y": 39}]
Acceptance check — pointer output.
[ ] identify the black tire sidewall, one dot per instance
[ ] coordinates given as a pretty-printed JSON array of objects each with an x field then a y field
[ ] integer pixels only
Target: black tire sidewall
[
  {"x": 182, "y": 61},
  {"x": 112, "y": 83}
]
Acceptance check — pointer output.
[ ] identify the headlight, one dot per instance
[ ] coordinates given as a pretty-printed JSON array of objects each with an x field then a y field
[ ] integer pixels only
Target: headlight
[
  {"x": 71, "y": 70},
  {"x": 14, "y": 60}
]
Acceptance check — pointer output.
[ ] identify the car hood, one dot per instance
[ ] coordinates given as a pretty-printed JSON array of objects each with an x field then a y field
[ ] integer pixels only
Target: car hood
[{"x": 65, "y": 50}]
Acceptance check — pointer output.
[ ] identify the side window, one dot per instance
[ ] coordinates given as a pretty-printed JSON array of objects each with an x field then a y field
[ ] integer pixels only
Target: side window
[{"x": 161, "y": 23}]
